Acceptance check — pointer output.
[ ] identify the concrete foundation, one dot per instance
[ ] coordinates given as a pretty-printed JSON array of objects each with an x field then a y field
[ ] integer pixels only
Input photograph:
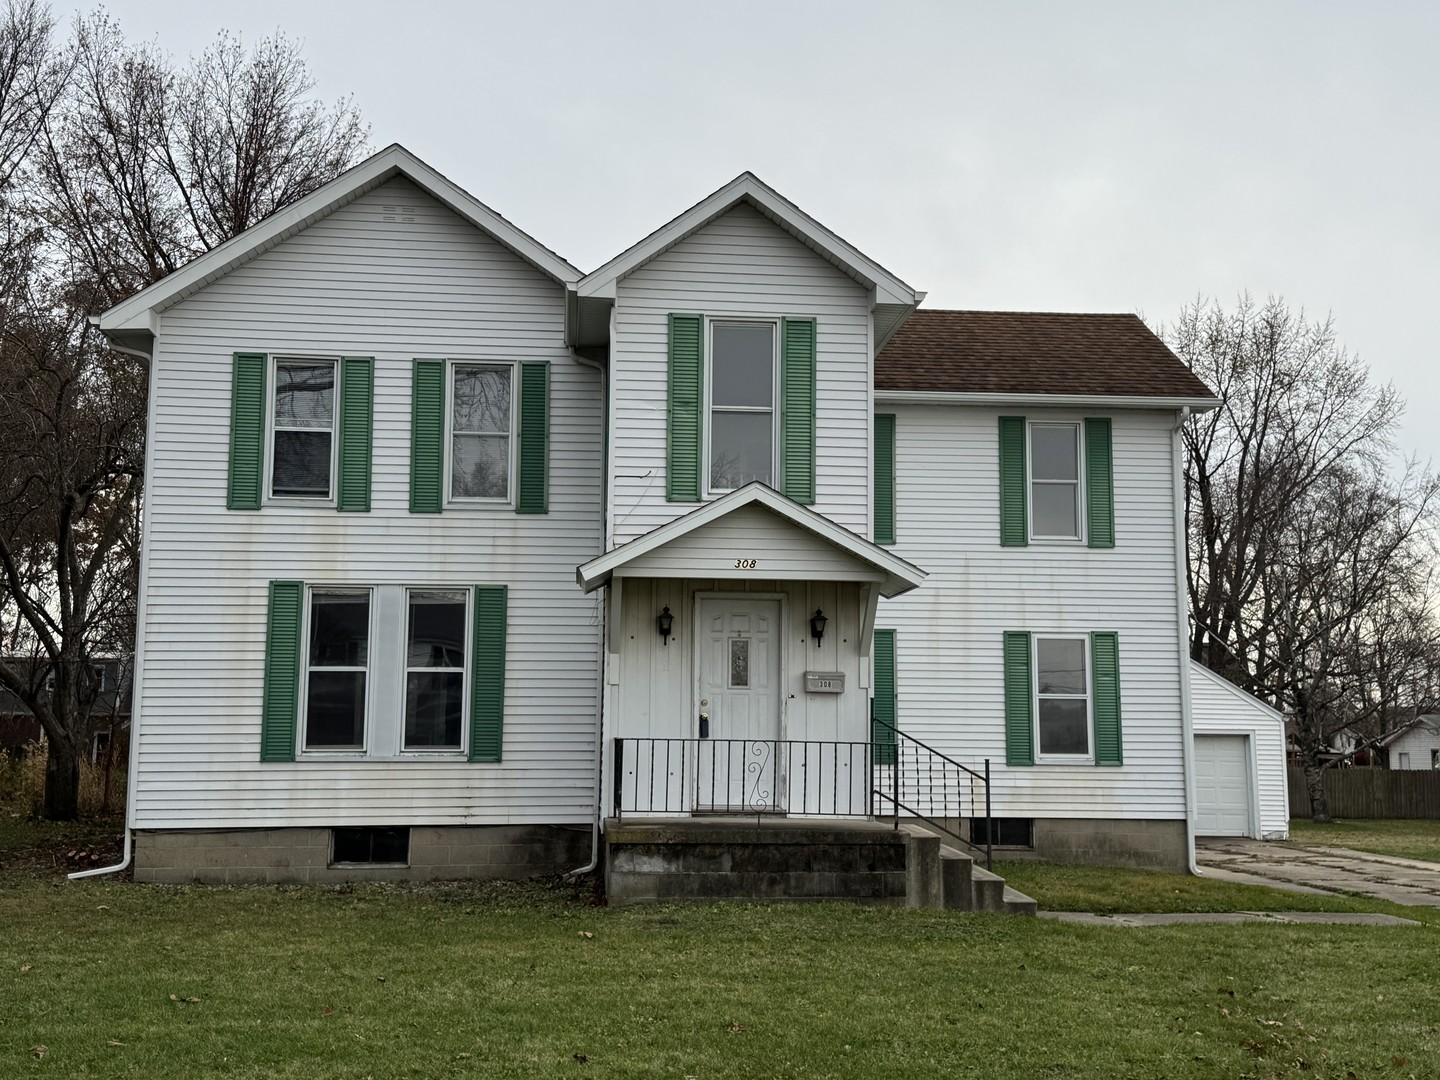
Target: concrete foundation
[
  {"x": 1147, "y": 844},
  {"x": 293, "y": 855}
]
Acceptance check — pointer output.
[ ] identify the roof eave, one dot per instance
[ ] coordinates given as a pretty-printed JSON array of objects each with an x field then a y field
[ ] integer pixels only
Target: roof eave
[{"x": 1110, "y": 401}]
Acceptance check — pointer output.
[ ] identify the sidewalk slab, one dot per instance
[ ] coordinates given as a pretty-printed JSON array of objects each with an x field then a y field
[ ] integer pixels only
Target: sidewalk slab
[{"x": 1189, "y": 918}]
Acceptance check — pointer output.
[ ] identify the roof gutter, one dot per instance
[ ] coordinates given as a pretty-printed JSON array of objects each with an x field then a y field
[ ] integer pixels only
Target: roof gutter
[{"x": 1109, "y": 401}]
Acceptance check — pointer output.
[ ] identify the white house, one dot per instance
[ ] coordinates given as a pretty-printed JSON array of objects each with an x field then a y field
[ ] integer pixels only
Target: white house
[
  {"x": 1417, "y": 746},
  {"x": 452, "y": 552}
]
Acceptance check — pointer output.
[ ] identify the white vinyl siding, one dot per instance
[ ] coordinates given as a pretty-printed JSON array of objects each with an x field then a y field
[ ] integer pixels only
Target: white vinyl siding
[
  {"x": 739, "y": 266},
  {"x": 395, "y": 276},
  {"x": 951, "y": 629},
  {"x": 1421, "y": 743},
  {"x": 1221, "y": 708}
]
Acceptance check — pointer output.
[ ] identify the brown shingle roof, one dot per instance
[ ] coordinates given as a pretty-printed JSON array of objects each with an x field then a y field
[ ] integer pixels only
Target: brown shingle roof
[{"x": 1032, "y": 352}]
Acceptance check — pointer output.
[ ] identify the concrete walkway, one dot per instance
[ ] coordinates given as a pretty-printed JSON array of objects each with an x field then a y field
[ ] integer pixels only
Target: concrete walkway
[
  {"x": 1184, "y": 918},
  {"x": 1320, "y": 869}
]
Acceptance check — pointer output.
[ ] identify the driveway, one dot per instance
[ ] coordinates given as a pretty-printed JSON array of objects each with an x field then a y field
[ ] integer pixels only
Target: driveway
[{"x": 1320, "y": 869}]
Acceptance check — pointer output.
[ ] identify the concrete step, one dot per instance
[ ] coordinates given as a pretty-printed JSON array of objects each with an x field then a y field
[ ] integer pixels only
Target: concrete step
[
  {"x": 1017, "y": 903},
  {"x": 987, "y": 890}
]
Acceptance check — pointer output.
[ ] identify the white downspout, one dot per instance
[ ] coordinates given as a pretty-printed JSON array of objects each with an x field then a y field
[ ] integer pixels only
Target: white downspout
[
  {"x": 136, "y": 663},
  {"x": 1182, "y": 626},
  {"x": 579, "y": 871}
]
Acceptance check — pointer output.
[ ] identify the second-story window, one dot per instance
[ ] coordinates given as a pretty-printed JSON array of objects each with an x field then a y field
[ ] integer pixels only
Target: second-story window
[
  {"x": 303, "y": 432},
  {"x": 742, "y": 404},
  {"x": 481, "y": 422},
  {"x": 1055, "y": 481}
]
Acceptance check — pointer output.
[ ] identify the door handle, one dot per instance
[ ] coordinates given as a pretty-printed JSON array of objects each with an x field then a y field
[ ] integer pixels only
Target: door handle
[{"x": 704, "y": 725}]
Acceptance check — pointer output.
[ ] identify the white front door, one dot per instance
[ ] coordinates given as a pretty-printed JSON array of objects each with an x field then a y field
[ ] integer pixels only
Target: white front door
[{"x": 738, "y": 675}]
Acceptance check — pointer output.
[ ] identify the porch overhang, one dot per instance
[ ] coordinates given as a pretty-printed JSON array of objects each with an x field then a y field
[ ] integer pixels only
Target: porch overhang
[{"x": 697, "y": 547}]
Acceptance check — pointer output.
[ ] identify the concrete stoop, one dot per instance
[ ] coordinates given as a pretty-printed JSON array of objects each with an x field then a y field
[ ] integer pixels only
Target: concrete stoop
[{"x": 788, "y": 859}]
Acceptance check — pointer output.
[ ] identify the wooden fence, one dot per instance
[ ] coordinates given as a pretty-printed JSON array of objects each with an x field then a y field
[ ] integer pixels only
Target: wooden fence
[{"x": 1359, "y": 792}]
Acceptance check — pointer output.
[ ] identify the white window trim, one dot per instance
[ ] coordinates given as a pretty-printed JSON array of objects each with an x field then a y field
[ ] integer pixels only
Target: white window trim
[
  {"x": 709, "y": 396},
  {"x": 346, "y": 753},
  {"x": 271, "y": 383},
  {"x": 466, "y": 665},
  {"x": 1079, "y": 481},
  {"x": 476, "y": 502},
  {"x": 1062, "y": 759}
]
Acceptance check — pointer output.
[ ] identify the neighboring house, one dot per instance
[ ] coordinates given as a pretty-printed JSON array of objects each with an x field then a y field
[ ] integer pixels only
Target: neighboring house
[
  {"x": 109, "y": 714},
  {"x": 1416, "y": 746},
  {"x": 451, "y": 549}
]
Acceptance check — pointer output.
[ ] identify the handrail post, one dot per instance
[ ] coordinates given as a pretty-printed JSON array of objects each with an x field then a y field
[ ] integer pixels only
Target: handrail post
[
  {"x": 895, "y": 782},
  {"x": 989, "y": 821},
  {"x": 619, "y": 784}
]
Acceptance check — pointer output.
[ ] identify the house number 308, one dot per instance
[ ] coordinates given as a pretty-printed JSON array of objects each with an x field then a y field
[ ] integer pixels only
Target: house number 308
[{"x": 744, "y": 564}]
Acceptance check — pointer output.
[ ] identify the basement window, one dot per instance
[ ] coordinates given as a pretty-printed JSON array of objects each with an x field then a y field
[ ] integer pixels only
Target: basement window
[
  {"x": 1009, "y": 832},
  {"x": 370, "y": 847}
]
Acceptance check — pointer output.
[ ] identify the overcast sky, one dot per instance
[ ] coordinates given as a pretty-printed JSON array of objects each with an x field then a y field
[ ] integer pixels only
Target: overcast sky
[{"x": 1063, "y": 157}]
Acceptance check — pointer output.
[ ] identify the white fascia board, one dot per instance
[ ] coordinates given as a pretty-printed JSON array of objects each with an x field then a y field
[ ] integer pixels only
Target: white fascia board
[
  {"x": 901, "y": 576},
  {"x": 747, "y": 186},
  {"x": 1109, "y": 401},
  {"x": 1242, "y": 695},
  {"x": 394, "y": 160}
]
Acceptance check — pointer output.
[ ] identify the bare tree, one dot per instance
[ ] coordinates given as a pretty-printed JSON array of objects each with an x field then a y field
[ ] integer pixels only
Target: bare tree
[
  {"x": 1310, "y": 566},
  {"x": 121, "y": 168}
]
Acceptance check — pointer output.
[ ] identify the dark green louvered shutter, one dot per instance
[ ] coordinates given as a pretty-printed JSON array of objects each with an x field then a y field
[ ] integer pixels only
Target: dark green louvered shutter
[
  {"x": 884, "y": 478},
  {"x": 797, "y": 409},
  {"x": 883, "y": 706},
  {"x": 281, "y": 696},
  {"x": 685, "y": 416},
  {"x": 534, "y": 494},
  {"x": 357, "y": 428},
  {"x": 1099, "y": 484},
  {"x": 487, "y": 674},
  {"x": 1105, "y": 671},
  {"x": 1013, "y": 532},
  {"x": 1019, "y": 729},
  {"x": 247, "y": 431},
  {"x": 427, "y": 436}
]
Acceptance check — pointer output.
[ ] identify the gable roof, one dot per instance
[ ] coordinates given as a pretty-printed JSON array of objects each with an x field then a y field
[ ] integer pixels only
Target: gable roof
[
  {"x": 900, "y": 576},
  {"x": 138, "y": 315},
  {"x": 1003, "y": 354},
  {"x": 749, "y": 188},
  {"x": 1428, "y": 722}
]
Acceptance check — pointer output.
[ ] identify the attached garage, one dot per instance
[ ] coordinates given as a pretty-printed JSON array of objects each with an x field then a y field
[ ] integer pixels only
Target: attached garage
[{"x": 1239, "y": 756}]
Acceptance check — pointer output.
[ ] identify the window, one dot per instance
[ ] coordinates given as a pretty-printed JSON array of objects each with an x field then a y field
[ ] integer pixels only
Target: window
[
  {"x": 1055, "y": 481},
  {"x": 303, "y": 429},
  {"x": 434, "y": 669},
  {"x": 339, "y": 660},
  {"x": 481, "y": 424},
  {"x": 742, "y": 404},
  {"x": 1009, "y": 832},
  {"x": 1404, "y": 760},
  {"x": 370, "y": 845},
  {"x": 1062, "y": 697}
]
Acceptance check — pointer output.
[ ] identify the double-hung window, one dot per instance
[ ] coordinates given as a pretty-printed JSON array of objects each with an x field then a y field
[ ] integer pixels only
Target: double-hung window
[
  {"x": 1055, "y": 481},
  {"x": 1062, "y": 697},
  {"x": 302, "y": 436},
  {"x": 482, "y": 421},
  {"x": 742, "y": 404},
  {"x": 336, "y": 686},
  {"x": 434, "y": 669}
]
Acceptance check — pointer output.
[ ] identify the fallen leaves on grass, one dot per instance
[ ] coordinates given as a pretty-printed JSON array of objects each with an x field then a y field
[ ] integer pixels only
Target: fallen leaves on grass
[
  {"x": 39, "y": 1051},
  {"x": 185, "y": 1001},
  {"x": 586, "y": 934},
  {"x": 113, "y": 1042},
  {"x": 736, "y": 1028}
]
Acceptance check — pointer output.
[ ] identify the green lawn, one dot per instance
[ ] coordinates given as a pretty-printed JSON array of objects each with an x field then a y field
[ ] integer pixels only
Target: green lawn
[
  {"x": 1408, "y": 839},
  {"x": 117, "y": 979}
]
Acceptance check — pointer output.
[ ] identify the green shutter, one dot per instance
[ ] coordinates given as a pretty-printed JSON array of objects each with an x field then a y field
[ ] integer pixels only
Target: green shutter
[
  {"x": 884, "y": 479},
  {"x": 1019, "y": 728},
  {"x": 1099, "y": 484},
  {"x": 247, "y": 431},
  {"x": 534, "y": 494},
  {"x": 427, "y": 436},
  {"x": 1012, "y": 481},
  {"x": 687, "y": 379},
  {"x": 797, "y": 409},
  {"x": 1105, "y": 671},
  {"x": 487, "y": 674},
  {"x": 281, "y": 695},
  {"x": 883, "y": 706},
  {"x": 357, "y": 429}
]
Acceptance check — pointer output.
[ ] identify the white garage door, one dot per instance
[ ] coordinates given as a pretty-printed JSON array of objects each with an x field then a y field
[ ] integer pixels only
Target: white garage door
[{"x": 1222, "y": 786}]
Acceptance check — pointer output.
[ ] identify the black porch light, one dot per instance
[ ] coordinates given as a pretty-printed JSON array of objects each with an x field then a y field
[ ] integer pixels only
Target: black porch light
[
  {"x": 665, "y": 623},
  {"x": 817, "y": 625}
]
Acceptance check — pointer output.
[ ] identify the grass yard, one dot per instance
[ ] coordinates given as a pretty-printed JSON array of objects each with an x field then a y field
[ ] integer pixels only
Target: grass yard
[
  {"x": 115, "y": 979},
  {"x": 1407, "y": 839}
]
